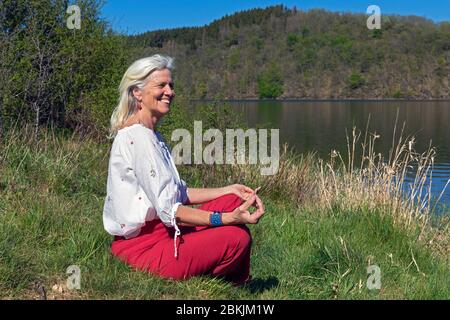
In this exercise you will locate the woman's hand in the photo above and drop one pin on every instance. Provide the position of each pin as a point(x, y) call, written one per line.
point(241, 215)
point(240, 190)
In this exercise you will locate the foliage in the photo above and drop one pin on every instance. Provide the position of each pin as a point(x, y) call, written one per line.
point(50, 75)
point(312, 48)
point(55, 75)
point(355, 81)
point(270, 83)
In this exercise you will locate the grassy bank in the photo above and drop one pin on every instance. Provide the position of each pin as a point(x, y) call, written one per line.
point(52, 189)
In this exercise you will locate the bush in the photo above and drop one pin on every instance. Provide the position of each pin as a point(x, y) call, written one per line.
point(270, 83)
point(355, 81)
point(292, 40)
point(62, 77)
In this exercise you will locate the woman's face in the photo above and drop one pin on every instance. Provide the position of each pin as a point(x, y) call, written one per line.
point(158, 94)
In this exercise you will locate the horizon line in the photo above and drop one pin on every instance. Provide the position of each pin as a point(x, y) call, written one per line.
point(126, 33)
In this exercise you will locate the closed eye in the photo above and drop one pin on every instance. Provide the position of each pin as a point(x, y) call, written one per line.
point(171, 85)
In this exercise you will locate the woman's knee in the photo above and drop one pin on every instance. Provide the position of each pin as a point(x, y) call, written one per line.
point(238, 235)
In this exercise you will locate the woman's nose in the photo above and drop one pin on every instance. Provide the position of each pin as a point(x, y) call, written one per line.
point(169, 91)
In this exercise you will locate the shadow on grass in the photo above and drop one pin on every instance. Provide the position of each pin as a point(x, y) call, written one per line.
point(259, 285)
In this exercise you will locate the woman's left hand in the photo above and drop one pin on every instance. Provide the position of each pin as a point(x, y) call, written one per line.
point(240, 190)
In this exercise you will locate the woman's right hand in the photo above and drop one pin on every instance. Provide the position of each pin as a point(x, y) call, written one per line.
point(241, 215)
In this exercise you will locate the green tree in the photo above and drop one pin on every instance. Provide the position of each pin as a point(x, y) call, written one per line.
point(355, 81)
point(270, 83)
point(61, 77)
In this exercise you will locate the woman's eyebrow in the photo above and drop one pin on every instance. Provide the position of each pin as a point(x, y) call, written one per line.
point(165, 83)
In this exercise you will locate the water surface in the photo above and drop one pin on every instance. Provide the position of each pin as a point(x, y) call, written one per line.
point(321, 126)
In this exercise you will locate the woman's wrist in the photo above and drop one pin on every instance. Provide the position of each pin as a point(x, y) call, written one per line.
point(228, 218)
point(225, 190)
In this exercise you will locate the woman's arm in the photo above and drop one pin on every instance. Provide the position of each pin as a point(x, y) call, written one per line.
point(201, 195)
point(187, 216)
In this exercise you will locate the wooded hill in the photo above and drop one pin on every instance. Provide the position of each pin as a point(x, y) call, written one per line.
point(288, 53)
point(50, 74)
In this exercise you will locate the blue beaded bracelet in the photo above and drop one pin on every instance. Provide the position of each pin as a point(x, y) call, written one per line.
point(215, 219)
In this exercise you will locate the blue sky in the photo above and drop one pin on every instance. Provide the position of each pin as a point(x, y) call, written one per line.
point(137, 16)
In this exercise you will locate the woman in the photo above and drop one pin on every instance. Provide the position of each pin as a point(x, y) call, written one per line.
point(146, 203)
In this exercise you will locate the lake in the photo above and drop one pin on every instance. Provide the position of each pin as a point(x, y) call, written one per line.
point(321, 126)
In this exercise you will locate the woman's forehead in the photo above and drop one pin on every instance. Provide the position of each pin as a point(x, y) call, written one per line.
point(161, 75)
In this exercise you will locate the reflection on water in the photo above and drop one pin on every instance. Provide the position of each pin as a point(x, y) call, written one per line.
point(321, 126)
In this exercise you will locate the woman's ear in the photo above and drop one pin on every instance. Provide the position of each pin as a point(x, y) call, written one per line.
point(137, 93)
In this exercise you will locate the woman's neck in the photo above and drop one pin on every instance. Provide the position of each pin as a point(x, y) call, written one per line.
point(143, 118)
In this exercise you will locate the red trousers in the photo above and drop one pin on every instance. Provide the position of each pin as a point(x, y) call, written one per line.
point(218, 251)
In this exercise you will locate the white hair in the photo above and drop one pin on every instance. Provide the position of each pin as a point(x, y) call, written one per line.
point(136, 76)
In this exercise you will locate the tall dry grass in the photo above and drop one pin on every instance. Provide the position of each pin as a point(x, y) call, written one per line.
point(360, 179)
point(370, 180)
point(293, 182)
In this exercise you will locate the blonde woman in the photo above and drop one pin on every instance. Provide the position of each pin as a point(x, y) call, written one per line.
point(147, 203)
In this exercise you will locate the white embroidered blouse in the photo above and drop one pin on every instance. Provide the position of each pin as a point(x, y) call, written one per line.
point(143, 183)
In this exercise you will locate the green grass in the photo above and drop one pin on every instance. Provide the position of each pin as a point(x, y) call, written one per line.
point(51, 199)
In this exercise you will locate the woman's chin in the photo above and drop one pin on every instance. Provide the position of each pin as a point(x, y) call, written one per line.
point(164, 109)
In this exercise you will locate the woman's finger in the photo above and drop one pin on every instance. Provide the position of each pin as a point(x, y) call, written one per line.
point(259, 204)
point(247, 189)
point(244, 196)
point(255, 216)
point(248, 203)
